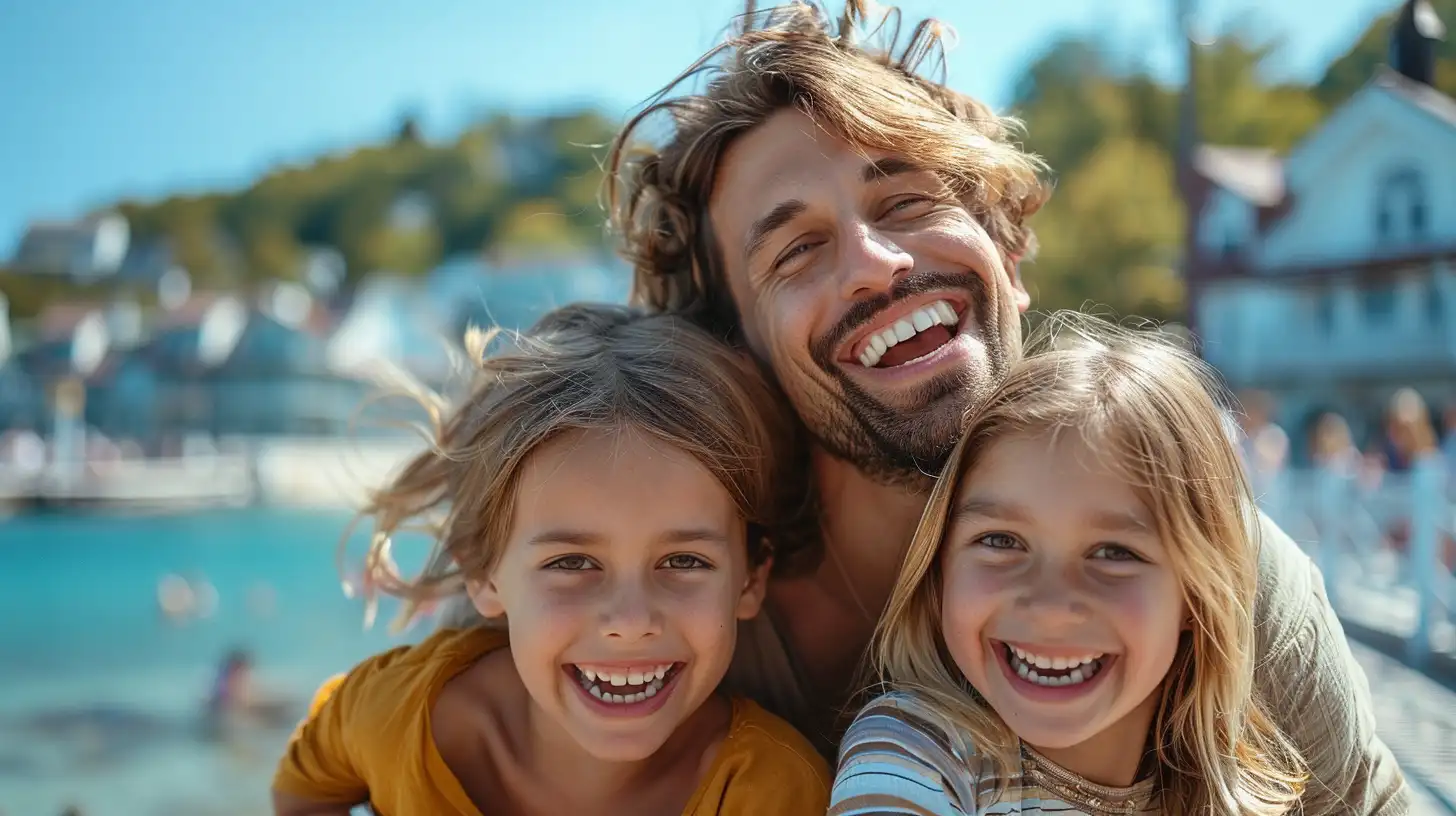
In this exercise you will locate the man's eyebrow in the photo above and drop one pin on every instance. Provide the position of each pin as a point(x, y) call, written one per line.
point(881, 169)
point(781, 214)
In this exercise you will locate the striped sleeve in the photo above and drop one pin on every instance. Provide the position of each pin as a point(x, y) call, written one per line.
point(891, 762)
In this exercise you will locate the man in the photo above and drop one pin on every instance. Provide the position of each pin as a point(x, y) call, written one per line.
point(859, 229)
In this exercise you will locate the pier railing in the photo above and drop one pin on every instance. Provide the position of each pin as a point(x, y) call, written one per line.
point(1387, 547)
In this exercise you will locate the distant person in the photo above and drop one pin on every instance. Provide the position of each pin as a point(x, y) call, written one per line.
point(1265, 449)
point(1411, 440)
point(1332, 448)
point(1448, 441)
point(1409, 433)
point(617, 490)
point(232, 688)
point(1073, 629)
point(235, 700)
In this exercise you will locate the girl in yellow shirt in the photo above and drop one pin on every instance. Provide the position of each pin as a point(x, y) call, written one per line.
point(607, 494)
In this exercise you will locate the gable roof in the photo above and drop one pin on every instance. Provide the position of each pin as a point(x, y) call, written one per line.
point(1419, 94)
point(1385, 97)
point(1252, 173)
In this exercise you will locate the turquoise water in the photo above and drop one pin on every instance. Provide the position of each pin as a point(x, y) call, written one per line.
point(100, 693)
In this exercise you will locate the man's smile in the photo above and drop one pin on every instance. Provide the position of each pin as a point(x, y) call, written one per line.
point(906, 331)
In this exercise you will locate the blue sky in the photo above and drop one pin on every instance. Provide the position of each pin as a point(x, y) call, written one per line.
point(103, 98)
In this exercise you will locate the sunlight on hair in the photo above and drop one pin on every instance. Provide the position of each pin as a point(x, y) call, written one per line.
point(860, 77)
point(581, 367)
point(1156, 413)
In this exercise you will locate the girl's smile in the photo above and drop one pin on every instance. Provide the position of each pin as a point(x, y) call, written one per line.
point(1061, 607)
point(623, 578)
point(1040, 676)
point(625, 690)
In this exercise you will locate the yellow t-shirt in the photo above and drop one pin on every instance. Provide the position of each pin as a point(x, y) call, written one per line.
point(368, 737)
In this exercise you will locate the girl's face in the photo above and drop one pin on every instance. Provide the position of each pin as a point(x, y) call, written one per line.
point(1060, 605)
point(622, 581)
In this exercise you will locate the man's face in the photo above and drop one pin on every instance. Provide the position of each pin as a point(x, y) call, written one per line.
point(880, 302)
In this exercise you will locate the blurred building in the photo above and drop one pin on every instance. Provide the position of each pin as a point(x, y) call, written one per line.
point(282, 361)
point(1327, 277)
point(91, 248)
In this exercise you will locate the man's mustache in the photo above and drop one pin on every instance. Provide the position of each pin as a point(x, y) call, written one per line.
point(863, 312)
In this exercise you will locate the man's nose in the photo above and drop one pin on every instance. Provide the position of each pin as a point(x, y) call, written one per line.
point(870, 262)
point(629, 612)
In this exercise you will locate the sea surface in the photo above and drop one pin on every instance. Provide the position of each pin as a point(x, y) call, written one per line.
point(101, 694)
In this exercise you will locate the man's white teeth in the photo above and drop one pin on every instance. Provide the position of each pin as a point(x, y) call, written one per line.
point(938, 313)
point(1069, 670)
point(595, 680)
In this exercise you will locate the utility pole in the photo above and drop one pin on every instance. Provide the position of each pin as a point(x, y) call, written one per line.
point(1188, 100)
point(1183, 155)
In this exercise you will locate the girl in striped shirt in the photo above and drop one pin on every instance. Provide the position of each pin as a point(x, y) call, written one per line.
point(1072, 631)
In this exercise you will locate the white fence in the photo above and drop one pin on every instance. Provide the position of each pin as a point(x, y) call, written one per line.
point(1387, 549)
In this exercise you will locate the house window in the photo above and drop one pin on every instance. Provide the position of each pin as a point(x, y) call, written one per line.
point(1380, 304)
point(1401, 206)
point(1324, 311)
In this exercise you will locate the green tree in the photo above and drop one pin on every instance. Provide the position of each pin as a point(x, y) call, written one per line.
point(1111, 235)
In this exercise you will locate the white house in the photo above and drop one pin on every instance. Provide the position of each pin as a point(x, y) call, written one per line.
point(1327, 277)
point(93, 247)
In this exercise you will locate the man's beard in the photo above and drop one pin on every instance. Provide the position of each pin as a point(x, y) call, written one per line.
point(906, 446)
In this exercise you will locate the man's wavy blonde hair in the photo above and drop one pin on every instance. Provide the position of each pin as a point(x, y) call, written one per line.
point(1148, 409)
point(583, 367)
point(858, 79)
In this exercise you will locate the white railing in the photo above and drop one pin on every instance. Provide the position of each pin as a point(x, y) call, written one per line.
point(1387, 549)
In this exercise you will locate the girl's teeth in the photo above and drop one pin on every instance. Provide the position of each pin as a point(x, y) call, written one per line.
point(1026, 666)
point(654, 679)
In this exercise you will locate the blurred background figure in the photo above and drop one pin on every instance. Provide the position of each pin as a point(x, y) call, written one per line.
point(1332, 448)
point(236, 701)
point(1265, 447)
point(1410, 435)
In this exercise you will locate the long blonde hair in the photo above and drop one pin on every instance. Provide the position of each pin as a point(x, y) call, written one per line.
point(586, 367)
point(1148, 407)
point(857, 78)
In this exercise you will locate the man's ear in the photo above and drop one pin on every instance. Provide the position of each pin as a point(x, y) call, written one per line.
point(750, 600)
point(485, 597)
point(1019, 295)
